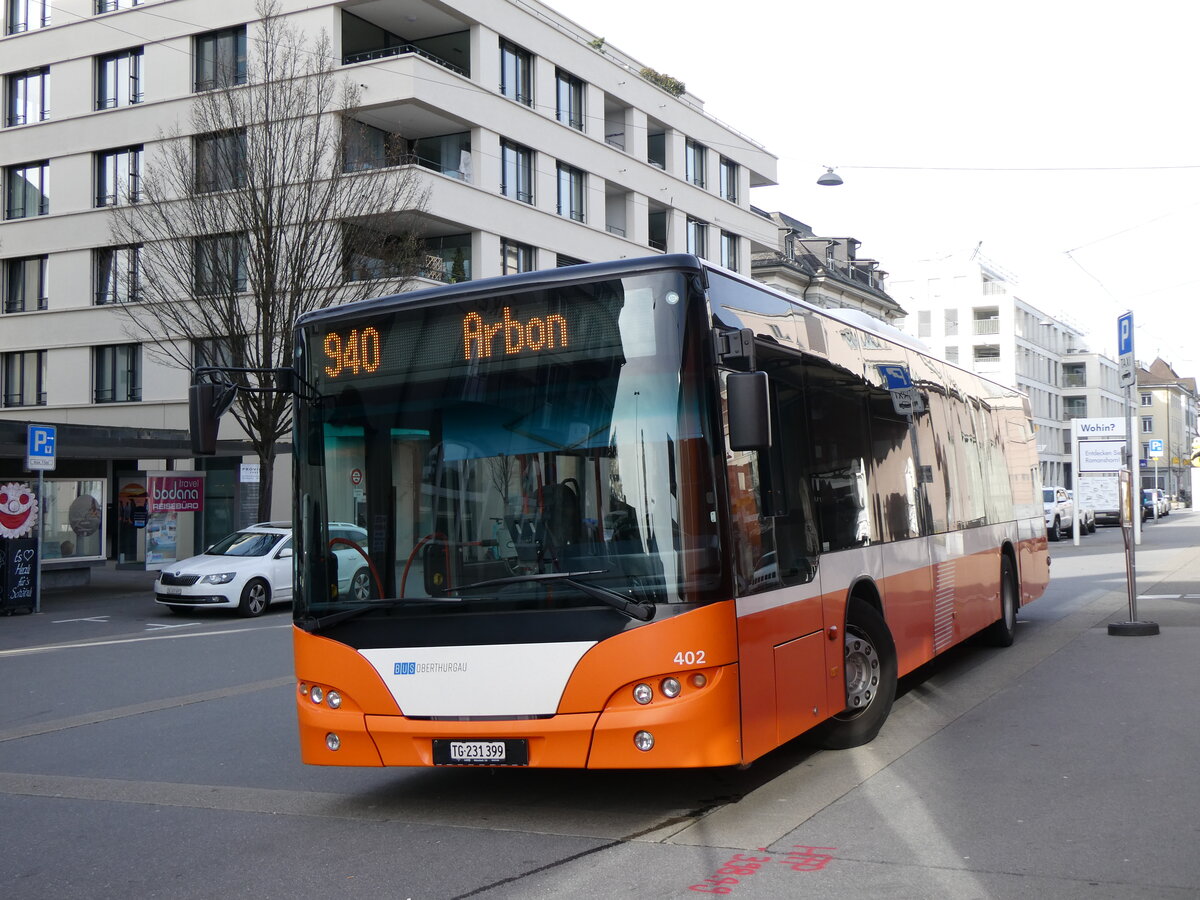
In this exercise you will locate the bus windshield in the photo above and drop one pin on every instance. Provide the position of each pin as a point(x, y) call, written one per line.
point(536, 451)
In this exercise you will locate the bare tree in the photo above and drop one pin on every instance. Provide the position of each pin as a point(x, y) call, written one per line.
point(269, 204)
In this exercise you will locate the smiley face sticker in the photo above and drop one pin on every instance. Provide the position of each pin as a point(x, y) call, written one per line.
point(18, 510)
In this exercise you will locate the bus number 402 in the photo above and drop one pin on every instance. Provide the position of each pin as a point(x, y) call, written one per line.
point(689, 658)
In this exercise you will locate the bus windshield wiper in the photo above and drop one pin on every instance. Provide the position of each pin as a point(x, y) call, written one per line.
point(314, 624)
point(635, 609)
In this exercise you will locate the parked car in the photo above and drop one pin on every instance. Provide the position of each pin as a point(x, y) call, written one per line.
point(1086, 516)
point(1157, 503)
point(1060, 512)
point(252, 568)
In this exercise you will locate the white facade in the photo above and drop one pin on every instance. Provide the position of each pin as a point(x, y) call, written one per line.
point(966, 309)
point(656, 173)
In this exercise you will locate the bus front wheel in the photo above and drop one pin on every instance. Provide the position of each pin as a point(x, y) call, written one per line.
point(870, 672)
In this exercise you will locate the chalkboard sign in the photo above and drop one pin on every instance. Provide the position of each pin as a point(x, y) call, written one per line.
point(18, 573)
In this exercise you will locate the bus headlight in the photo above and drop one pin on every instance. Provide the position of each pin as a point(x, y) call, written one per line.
point(333, 699)
point(671, 687)
point(644, 741)
point(332, 741)
point(643, 694)
point(317, 694)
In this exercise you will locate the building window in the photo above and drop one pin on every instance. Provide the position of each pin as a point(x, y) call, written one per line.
point(103, 6)
point(729, 180)
point(570, 192)
point(118, 274)
point(1074, 407)
point(569, 108)
point(27, 190)
point(729, 250)
point(516, 73)
point(516, 171)
point(25, 284)
point(448, 258)
point(952, 354)
point(987, 353)
point(370, 255)
point(656, 223)
point(1147, 399)
point(367, 147)
point(951, 322)
point(117, 373)
point(119, 79)
point(220, 58)
point(25, 378)
point(694, 159)
point(656, 149)
point(448, 154)
point(217, 352)
point(118, 176)
point(515, 257)
point(924, 326)
point(28, 97)
point(1147, 424)
point(220, 160)
point(697, 237)
point(563, 261)
point(220, 265)
point(27, 15)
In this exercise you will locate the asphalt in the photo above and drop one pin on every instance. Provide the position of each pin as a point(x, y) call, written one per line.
point(1081, 771)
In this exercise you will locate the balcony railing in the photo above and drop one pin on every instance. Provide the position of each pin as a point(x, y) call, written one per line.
point(987, 326)
point(401, 50)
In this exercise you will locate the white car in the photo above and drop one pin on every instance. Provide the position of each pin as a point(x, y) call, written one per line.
point(1060, 512)
point(1086, 516)
point(252, 568)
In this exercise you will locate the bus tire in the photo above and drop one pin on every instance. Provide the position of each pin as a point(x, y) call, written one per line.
point(870, 673)
point(1002, 632)
point(256, 597)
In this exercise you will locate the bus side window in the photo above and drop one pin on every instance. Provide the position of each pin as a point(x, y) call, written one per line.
point(839, 442)
point(796, 537)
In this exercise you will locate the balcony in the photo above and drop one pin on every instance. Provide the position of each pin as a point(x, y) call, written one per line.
point(406, 28)
point(987, 326)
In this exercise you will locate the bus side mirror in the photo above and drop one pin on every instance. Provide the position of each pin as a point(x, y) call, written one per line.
point(749, 411)
point(207, 402)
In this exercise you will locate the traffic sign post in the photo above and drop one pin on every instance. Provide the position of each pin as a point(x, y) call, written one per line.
point(41, 449)
point(1134, 627)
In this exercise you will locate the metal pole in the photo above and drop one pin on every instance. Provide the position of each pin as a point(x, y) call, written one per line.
point(1134, 627)
point(41, 494)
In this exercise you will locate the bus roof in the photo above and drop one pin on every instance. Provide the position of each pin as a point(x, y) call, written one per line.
point(484, 286)
point(640, 265)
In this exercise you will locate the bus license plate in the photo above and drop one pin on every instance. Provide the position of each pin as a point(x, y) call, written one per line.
point(509, 752)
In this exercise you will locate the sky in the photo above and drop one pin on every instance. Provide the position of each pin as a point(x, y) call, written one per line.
point(1059, 137)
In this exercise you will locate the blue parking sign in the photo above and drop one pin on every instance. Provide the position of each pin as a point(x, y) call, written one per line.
point(897, 377)
point(40, 447)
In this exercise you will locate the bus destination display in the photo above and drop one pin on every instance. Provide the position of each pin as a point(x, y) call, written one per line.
point(466, 336)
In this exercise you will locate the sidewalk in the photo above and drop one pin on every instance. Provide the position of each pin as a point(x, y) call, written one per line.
point(108, 585)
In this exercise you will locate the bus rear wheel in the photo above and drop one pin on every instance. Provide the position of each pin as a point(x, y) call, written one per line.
point(1002, 632)
point(870, 672)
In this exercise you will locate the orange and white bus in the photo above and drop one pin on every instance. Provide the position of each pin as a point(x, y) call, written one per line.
point(638, 514)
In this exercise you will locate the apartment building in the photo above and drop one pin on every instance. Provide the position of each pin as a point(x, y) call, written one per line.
point(967, 309)
point(1166, 414)
point(539, 143)
point(824, 271)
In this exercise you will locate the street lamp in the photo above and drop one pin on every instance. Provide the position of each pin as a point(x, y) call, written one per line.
point(830, 177)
